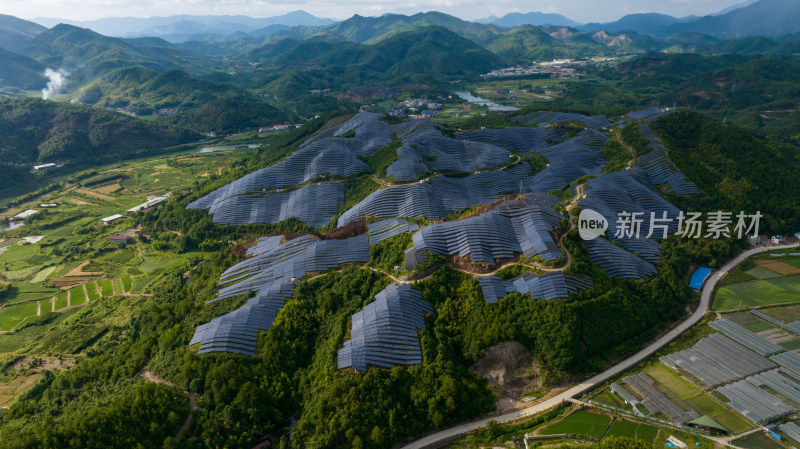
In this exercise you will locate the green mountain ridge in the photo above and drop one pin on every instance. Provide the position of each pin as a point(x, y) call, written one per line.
point(35, 131)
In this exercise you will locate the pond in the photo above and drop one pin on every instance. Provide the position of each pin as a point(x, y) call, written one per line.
point(484, 102)
point(226, 148)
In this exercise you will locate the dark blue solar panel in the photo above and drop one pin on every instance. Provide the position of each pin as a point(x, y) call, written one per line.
point(386, 332)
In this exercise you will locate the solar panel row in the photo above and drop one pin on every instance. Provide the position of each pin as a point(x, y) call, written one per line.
point(385, 332)
point(516, 139)
point(255, 197)
point(386, 229)
point(497, 234)
point(547, 286)
point(544, 117)
point(441, 195)
point(271, 272)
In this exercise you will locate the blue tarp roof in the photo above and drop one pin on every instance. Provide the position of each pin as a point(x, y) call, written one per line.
point(699, 277)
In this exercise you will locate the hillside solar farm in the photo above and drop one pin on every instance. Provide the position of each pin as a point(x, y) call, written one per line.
point(422, 184)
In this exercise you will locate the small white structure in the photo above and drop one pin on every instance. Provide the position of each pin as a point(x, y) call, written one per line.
point(110, 219)
point(48, 205)
point(754, 240)
point(39, 167)
point(150, 203)
point(776, 239)
point(676, 442)
point(26, 214)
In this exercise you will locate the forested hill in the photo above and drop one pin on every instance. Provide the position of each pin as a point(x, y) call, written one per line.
point(737, 170)
point(34, 131)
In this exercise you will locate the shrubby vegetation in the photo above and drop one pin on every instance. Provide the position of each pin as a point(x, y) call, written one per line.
point(736, 170)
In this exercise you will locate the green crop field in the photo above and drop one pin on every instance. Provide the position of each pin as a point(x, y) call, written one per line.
point(675, 384)
point(106, 289)
point(758, 293)
point(580, 423)
point(42, 275)
point(13, 316)
point(118, 287)
point(127, 283)
point(92, 292)
point(750, 322)
point(786, 314)
point(61, 301)
point(150, 263)
point(705, 405)
point(77, 296)
point(625, 428)
point(762, 273)
point(758, 441)
point(732, 422)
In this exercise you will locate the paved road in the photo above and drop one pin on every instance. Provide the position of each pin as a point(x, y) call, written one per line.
point(705, 300)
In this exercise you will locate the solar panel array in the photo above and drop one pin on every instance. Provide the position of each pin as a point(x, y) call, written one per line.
point(543, 117)
point(254, 197)
point(497, 234)
point(547, 286)
point(716, 360)
point(430, 151)
point(237, 331)
point(441, 195)
point(657, 402)
point(570, 160)
point(614, 193)
point(293, 259)
point(659, 171)
point(791, 327)
point(385, 332)
point(745, 337)
point(386, 229)
point(616, 261)
point(315, 204)
point(516, 139)
point(271, 272)
point(754, 403)
point(265, 244)
point(627, 192)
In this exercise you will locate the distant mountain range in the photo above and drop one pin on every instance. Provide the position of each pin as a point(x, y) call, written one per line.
point(181, 28)
point(515, 19)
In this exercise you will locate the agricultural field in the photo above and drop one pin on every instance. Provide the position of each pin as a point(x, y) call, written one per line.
point(518, 92)
point(580, 423)
point(758, 441)
point(70, 288)
point(630, 429)
point(763, 280)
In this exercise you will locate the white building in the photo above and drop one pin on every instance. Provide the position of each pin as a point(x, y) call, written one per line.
point(110, 219)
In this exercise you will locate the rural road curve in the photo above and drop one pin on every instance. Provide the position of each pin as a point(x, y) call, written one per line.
point(447, 435)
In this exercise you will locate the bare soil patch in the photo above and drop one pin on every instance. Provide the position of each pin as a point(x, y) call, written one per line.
point(784, 269)
point(510, 369)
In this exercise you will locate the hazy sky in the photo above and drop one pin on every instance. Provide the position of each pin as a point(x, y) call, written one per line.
point(578, 10)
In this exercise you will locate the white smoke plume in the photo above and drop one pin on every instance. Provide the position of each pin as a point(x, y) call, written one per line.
point(55, 81)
